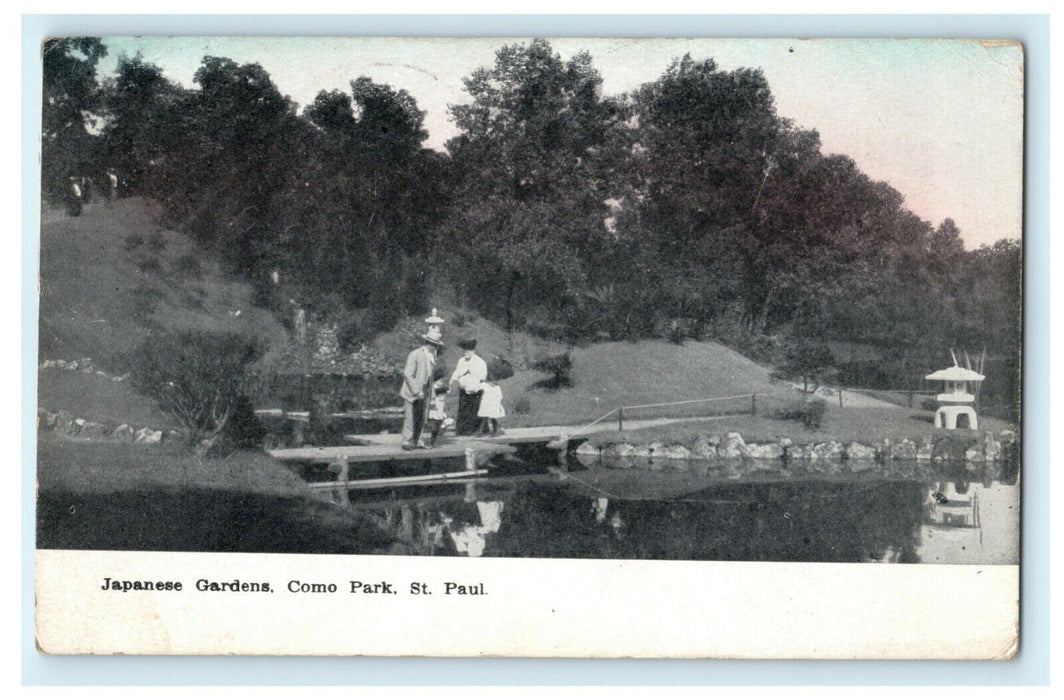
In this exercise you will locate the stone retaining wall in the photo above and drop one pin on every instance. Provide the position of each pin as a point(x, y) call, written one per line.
point(66, 424)
point(83, 365)
point(930, 448)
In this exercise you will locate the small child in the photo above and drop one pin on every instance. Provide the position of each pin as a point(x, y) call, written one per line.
point(491, 409)
point(437, 418)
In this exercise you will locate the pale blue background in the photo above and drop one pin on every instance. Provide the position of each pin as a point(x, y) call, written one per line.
point(1032, 665)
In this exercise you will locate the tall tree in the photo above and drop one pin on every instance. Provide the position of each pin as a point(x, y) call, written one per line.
point(531, 200)
point(354, 218)
point(140, 104)
point(70, 95)
point(706, 142)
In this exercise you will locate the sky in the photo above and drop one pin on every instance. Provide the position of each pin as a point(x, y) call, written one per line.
point(940, 120)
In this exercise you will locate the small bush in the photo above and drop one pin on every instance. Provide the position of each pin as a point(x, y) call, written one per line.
point(813, 413)
point(351, 335)
point(133, 241)
point(929, 405)
point(458, 319)
point(559, 367)
point(680, 329)
point(264, 296)
point(522, 406)
point(189, 265)
point(499, 369)
point(149, 266)
point(144, 301)
point(809, 413)
point(156, 242)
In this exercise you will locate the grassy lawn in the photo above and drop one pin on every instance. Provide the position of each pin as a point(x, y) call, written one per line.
point(845, 424)
point(146, 497)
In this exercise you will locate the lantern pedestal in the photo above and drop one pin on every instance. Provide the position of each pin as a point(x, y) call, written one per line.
point(946, 417)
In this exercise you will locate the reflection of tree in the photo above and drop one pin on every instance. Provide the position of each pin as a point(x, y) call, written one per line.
point(548, 521)
point(800, 521)
point(808, 521)
point(1010, 471)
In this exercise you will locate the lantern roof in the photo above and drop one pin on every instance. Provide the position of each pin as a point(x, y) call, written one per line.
point(955, 374)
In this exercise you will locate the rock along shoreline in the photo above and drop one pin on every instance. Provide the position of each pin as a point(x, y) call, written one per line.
point(985, 447)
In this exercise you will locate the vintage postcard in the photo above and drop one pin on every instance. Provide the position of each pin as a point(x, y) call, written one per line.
point(530, 347)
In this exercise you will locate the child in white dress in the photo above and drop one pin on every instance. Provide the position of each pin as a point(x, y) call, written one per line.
point(491, 409)
point(437, 418)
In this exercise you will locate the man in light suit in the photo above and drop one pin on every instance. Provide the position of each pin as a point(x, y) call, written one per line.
point(417, 389)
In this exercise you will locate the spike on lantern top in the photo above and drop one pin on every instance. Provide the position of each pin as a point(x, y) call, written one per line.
point(956, 384)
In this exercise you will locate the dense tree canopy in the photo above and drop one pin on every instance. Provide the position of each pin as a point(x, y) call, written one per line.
point(71, 97)
point(686, 208)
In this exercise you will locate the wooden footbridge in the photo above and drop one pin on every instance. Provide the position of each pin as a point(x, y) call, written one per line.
point(476, 451)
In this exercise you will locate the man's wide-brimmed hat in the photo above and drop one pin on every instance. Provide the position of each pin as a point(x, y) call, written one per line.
point(467, 343)
point(434, 337)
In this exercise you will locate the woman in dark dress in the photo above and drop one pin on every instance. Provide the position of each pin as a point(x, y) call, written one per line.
point(469, 372)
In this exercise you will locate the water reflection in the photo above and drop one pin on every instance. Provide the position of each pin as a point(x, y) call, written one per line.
point(947, 514)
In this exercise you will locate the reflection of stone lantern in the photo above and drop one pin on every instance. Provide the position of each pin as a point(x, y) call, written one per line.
point(435, 324)
point(957, 398)
point(950, 509)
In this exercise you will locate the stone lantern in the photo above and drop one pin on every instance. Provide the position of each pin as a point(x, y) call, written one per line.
point(957, 398)
point(435, 325)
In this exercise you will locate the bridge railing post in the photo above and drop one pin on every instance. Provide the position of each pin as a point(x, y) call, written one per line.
point(620, 419)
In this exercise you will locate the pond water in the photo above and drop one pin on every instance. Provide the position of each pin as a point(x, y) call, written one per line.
point(942, 513)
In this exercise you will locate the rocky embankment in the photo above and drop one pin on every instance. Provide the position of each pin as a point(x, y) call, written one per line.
point(985, 447)
point(83, 365)
point(68, 425)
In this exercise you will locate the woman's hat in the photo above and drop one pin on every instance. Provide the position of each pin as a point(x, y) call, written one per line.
point(467, 343)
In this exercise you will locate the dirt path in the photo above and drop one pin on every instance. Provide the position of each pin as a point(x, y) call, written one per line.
point(851, 398)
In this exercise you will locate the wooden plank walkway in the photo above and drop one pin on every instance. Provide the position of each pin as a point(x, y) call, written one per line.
point(388, 452)
point(511, 436)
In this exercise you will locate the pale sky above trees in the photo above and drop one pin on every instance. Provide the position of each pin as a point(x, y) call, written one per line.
point(941, 121)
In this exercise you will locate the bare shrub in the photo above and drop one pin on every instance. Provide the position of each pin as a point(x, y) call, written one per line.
point(200, 379)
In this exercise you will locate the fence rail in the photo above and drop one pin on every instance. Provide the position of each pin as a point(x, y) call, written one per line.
point(619, 411)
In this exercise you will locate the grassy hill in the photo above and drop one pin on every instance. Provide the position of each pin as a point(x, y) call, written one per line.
point(110, 277)
point(113, 274)
point(608, 375)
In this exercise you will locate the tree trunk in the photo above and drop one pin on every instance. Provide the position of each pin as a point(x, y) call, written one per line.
point(204, 446)
point(762, 319)
point(510, 288)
